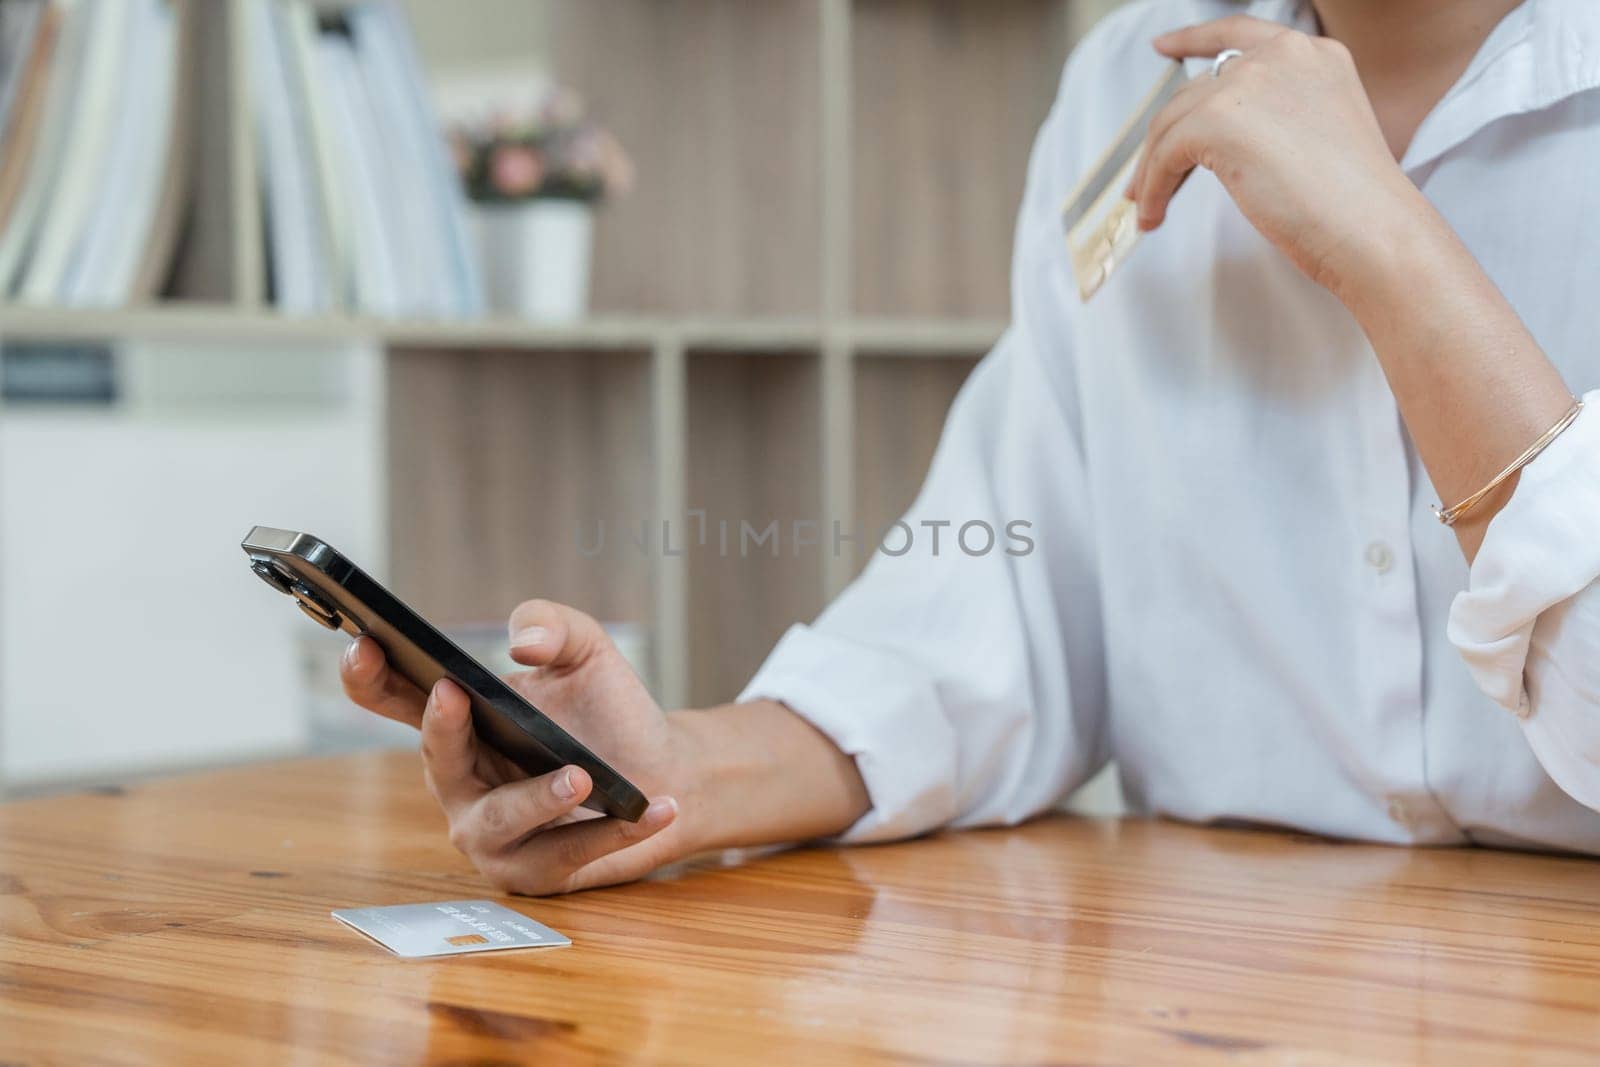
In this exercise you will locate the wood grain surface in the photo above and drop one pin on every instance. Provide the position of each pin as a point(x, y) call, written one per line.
point(502, 466)
point(187, 920)
point(947, 98)
point(752, 448)
point(901, 405)
point(717, 103)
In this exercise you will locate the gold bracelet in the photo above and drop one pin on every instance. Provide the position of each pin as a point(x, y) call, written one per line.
point(1448, 516)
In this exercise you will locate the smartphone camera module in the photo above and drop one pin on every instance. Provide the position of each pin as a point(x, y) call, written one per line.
point(273, 575)
point(314, 606)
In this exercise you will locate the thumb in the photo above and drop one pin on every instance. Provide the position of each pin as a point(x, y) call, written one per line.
point(547, 634)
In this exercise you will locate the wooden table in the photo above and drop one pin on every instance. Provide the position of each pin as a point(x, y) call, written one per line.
point(188, 919)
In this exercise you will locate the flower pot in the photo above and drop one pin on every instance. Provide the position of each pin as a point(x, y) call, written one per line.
point(535, 256)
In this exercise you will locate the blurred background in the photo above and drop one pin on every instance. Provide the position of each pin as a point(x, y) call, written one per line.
point(502, 298)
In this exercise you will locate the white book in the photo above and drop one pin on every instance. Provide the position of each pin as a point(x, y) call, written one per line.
point(85, 156)
point(414, 228)
point(102, 266)
point(445, 190)
point(359, 180)
point(137, 227)
point(55, 129)
point(306, 69)
point(293, 223)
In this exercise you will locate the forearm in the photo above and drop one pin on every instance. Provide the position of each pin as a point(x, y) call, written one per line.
point(758, 774)
point(1473, 386)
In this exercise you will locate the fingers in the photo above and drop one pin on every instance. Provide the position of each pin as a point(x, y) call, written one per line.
point(581, 855)
point(369, 682)
point(1186, 133)
point(1169, 155)
point(1209, 38)
point(485, 821)
point(547, 634)
point(501, 818)
point(1166, 163)
point(1184, 101)
point(1169, 162)
point(450, 750)
point(509, 836)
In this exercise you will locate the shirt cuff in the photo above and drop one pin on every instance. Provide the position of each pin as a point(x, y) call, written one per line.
point(878, 708)
point(1541, 549)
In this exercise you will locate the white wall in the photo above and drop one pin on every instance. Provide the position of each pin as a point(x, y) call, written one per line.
point(133, 638)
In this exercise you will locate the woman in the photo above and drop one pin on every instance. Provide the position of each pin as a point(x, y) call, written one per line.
point(1378, 277)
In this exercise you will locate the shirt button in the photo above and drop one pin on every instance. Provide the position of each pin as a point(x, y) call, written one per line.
point(1380, 557)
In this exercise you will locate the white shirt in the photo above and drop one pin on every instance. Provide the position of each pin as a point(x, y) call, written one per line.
point(1237, 588)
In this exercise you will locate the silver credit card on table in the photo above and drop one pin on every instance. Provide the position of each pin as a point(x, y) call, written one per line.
point(1102, 225)
point(449, 927)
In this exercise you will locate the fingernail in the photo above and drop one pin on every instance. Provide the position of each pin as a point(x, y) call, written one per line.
point(565, 785)
point(660, 809)
point(349, 656)
point(529, 638)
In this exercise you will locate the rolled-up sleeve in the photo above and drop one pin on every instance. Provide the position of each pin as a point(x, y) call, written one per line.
point(964, 669)
point(1528, 624)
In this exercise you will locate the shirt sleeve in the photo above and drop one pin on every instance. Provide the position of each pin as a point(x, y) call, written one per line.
point(964, 669)
point(1528, 624)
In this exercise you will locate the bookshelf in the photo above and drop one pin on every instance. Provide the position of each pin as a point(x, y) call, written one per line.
point(816, 256)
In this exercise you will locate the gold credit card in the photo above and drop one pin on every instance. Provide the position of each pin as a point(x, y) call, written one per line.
point(1102, 225)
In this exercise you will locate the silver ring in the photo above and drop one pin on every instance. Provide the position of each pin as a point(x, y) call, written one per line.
point(1222, 59)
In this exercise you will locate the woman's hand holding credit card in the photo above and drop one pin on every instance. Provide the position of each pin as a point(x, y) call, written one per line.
point(1283, 122)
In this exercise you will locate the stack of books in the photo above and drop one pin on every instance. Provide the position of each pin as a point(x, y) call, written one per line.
point(93, 157)
point(363, 208)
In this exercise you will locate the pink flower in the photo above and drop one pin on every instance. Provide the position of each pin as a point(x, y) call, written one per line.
point(515, 170)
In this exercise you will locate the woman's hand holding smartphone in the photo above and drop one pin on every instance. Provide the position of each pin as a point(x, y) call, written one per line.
point(529, 835)
point(509, 759)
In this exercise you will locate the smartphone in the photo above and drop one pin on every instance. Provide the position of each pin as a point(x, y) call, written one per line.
point(341, 596)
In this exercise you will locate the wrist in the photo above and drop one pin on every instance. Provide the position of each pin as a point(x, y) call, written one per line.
point(696, 780)
point(759, 774)
point(1376, 270)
